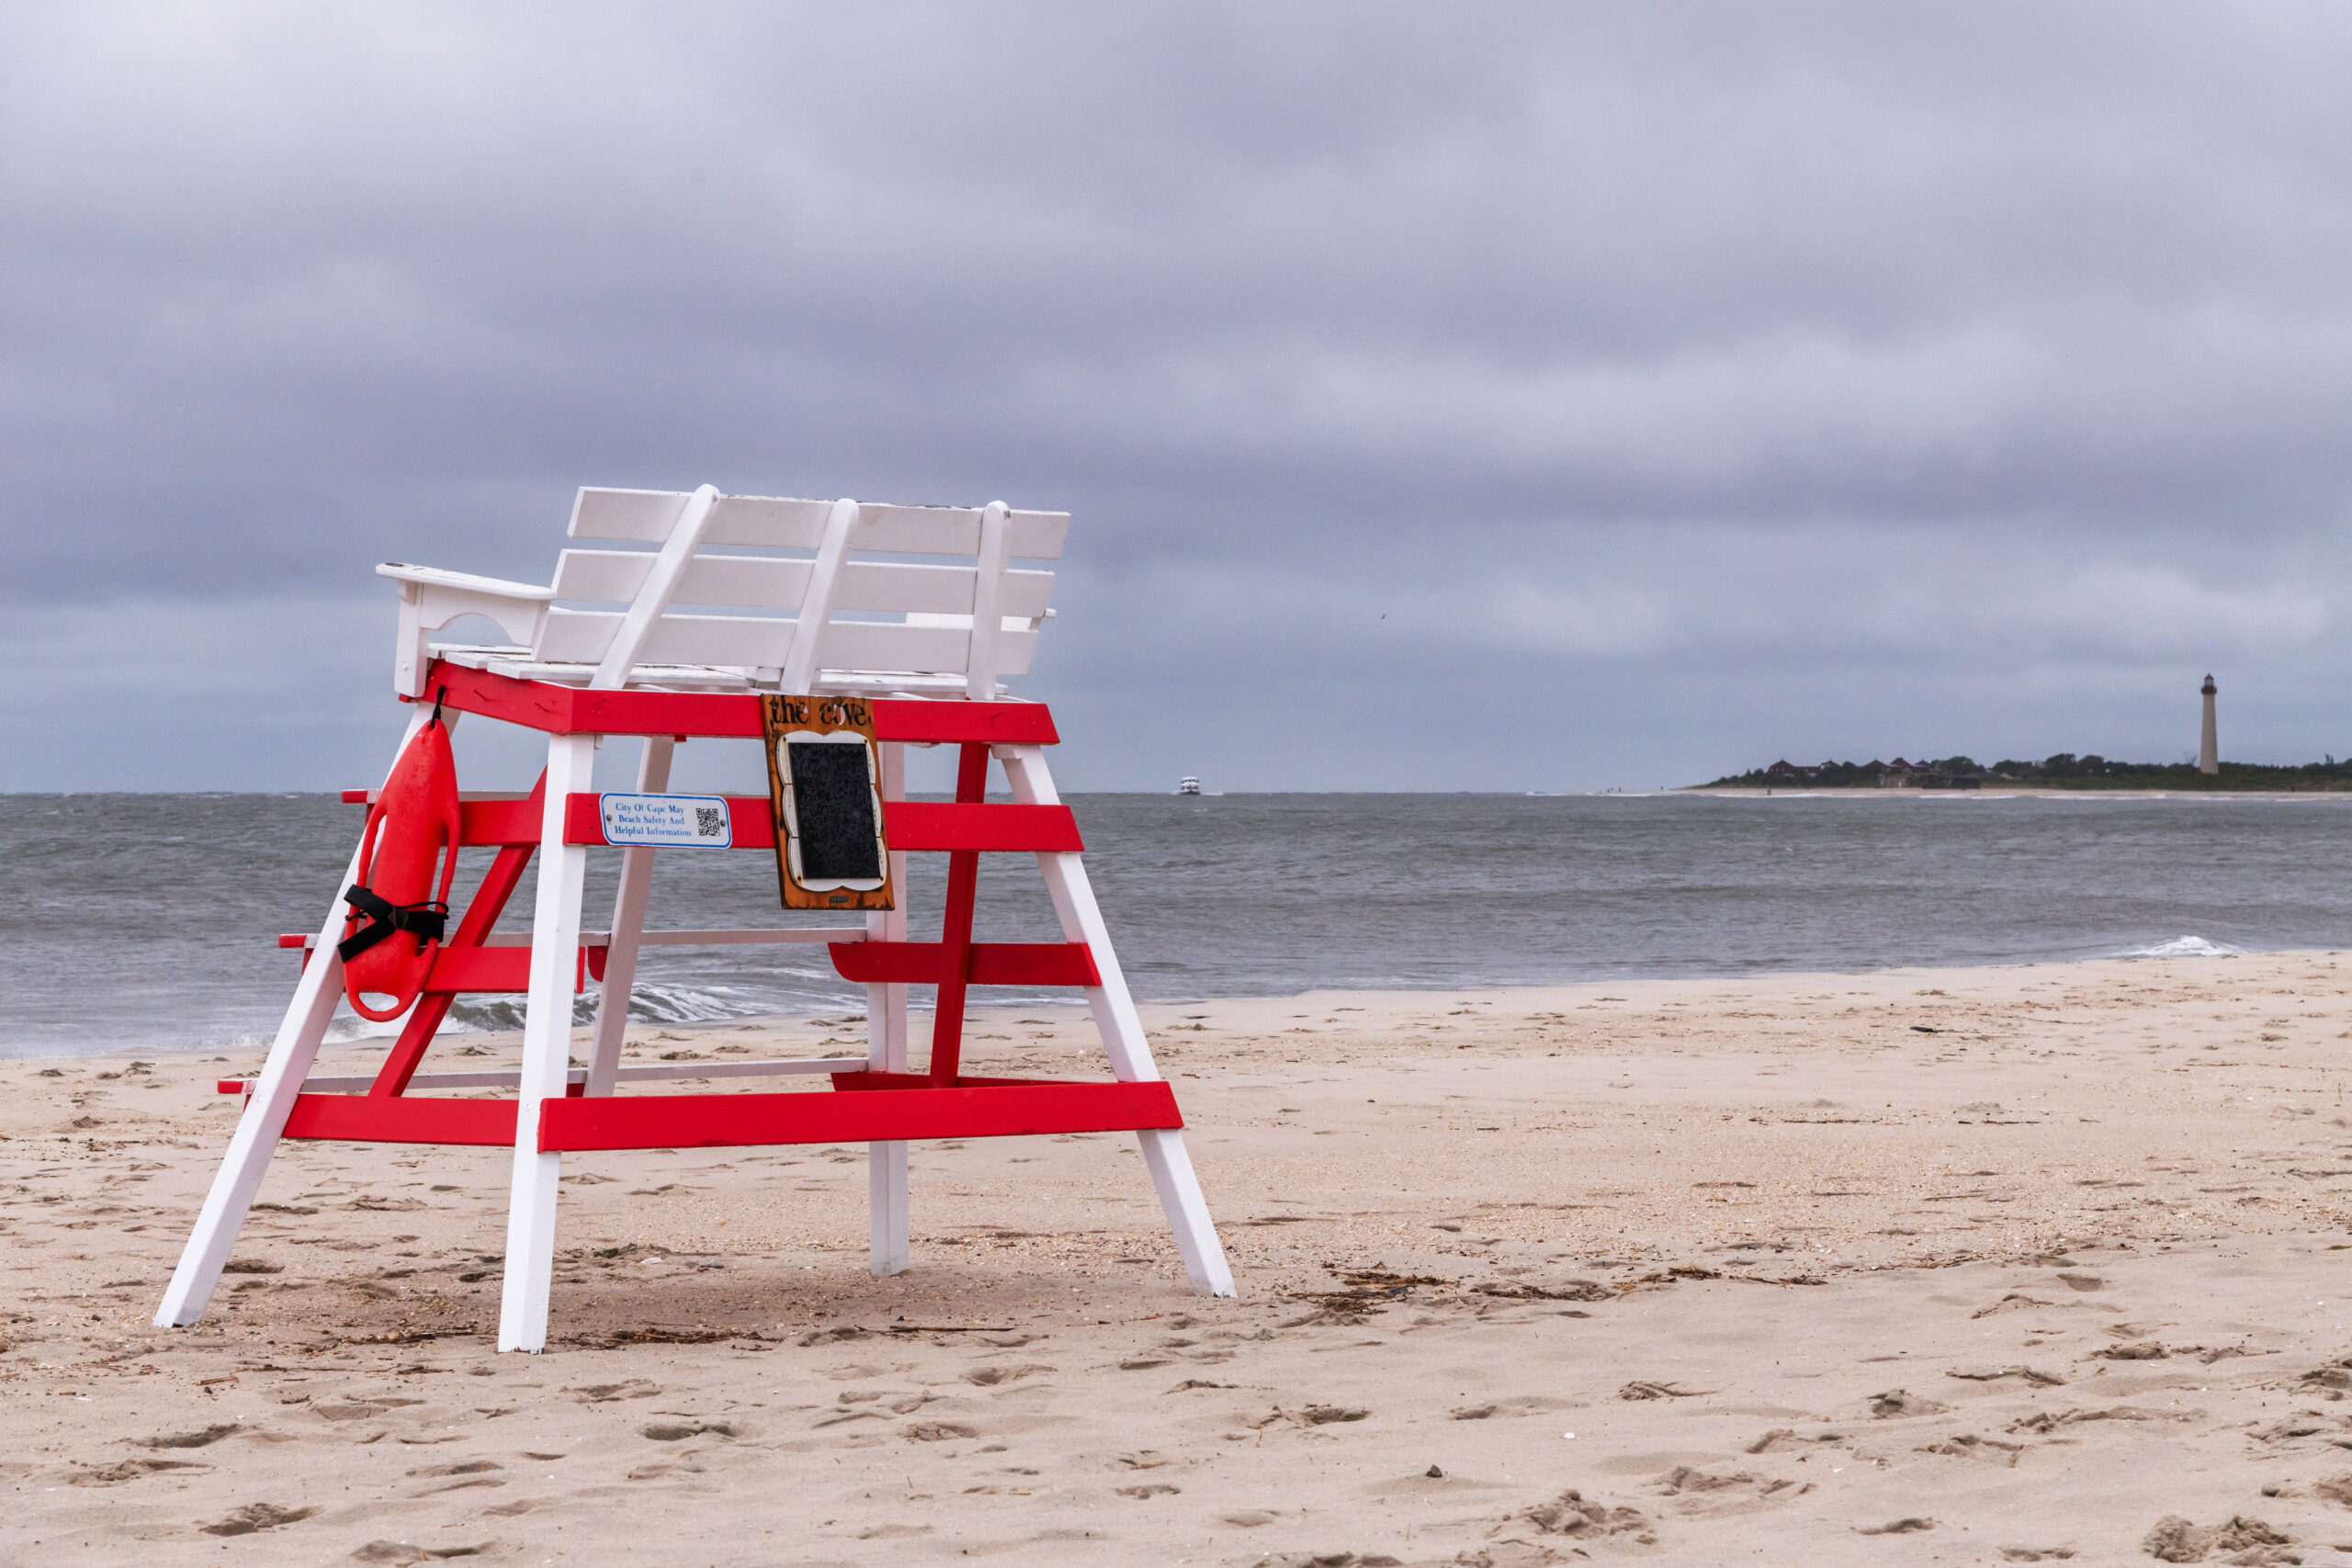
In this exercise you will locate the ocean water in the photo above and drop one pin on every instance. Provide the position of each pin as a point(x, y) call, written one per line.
point(148, 922)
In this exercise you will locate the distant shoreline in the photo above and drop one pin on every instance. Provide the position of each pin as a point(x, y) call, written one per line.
point(2103, 793)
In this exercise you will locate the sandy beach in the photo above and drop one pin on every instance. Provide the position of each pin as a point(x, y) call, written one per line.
point(2035, 1263)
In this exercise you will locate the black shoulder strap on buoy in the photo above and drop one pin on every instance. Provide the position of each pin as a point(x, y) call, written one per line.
point(425, 920)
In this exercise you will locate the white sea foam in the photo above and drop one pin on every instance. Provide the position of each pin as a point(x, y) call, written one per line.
point(681, 1004)
point(347, 1025)
point(648, 1003)
point(2184, 947)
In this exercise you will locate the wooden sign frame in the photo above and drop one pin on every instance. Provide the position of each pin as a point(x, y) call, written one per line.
point(803, 724)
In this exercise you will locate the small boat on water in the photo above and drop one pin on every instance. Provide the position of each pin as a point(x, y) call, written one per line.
point(1188, 784)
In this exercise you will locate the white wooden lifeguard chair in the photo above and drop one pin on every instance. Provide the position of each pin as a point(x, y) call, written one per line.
point(927, 644)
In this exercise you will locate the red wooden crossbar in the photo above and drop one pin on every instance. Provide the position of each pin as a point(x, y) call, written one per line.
point(499, 968)
point(996, 1108)
point(938, 825)
point(574, 710)
point(889, 1106)
point(402, 1119)
point(911, 825)
point(989, 964)
point(482, 822)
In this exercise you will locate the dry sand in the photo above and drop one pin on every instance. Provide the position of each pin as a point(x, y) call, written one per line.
point(1951, 1265)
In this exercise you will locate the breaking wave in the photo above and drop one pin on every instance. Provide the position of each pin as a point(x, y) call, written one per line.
point(648, 1003)
point(2184, 947)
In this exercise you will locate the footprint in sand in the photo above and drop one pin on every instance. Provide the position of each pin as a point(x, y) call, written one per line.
point(1987, 1450)
point(679, 1431)
point(255, 1517)
point(1788, 1439)
point(2138, 1350)
point(600, 1393)
point(1700, 1492)
point(1896, 1403)
point(1524, 1404)
point(2045, 1421)
point(460, 1477)
point(361, 1409)
point(833, 1336)
point(1312, 1416)
point(401, 1551)
point(2337, 1374)
point(842, 1416)
point(1570, 1514)
point(130, 1470)
point(198, 1439)
point(1432, 1481)
point(1994, 1374)
point(938, 1431)
point(2175, 1539)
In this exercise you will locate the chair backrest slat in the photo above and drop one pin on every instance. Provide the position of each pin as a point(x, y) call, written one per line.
point(584, 637)
point(887, 586)
point(615, 576)
point(782, 523)
point(918, 648)
point(644, 514)
point(767, 582)
point(955, 531)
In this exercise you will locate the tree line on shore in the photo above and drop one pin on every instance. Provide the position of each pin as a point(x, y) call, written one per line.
point(2064, 770)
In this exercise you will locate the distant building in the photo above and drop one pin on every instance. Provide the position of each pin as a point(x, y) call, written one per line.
point(1900, 774)
point(2209, 749)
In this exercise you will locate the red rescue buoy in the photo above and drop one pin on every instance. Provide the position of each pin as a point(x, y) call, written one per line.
point(398, 906)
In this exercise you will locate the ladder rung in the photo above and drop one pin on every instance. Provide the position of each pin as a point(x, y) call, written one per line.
point(992, 964)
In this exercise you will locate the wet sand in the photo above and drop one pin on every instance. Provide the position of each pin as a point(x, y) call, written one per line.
point(1934, 1266)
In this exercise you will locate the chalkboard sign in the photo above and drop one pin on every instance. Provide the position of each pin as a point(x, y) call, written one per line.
point(824, 783)
point(832, 811)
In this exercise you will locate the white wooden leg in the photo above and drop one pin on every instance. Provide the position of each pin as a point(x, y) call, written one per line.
point(1081, 918)
point(885, 1190)
point(1123, 1037)
point(1187, 1211)
point(267, 1109)
point(547, 1054)
point(628, 925)
point(886, 1051)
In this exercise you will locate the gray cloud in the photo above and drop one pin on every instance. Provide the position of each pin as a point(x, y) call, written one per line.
point(1684, 385)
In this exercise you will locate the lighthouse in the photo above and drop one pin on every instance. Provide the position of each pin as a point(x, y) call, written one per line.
point(2209, 748)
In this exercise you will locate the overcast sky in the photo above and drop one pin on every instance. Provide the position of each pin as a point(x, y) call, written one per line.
point(1448, 397)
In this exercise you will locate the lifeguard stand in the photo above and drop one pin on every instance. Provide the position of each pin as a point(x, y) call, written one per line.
point(926, 643)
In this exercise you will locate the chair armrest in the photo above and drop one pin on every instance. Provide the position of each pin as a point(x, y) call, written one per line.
point(434, 577)
point(431, 598)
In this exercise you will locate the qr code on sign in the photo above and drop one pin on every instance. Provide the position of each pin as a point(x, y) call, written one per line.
point(710, 821)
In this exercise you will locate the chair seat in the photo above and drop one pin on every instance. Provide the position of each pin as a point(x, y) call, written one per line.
point(516, 661)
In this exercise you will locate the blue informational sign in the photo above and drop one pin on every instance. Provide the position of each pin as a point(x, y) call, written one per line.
point(666, 821)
